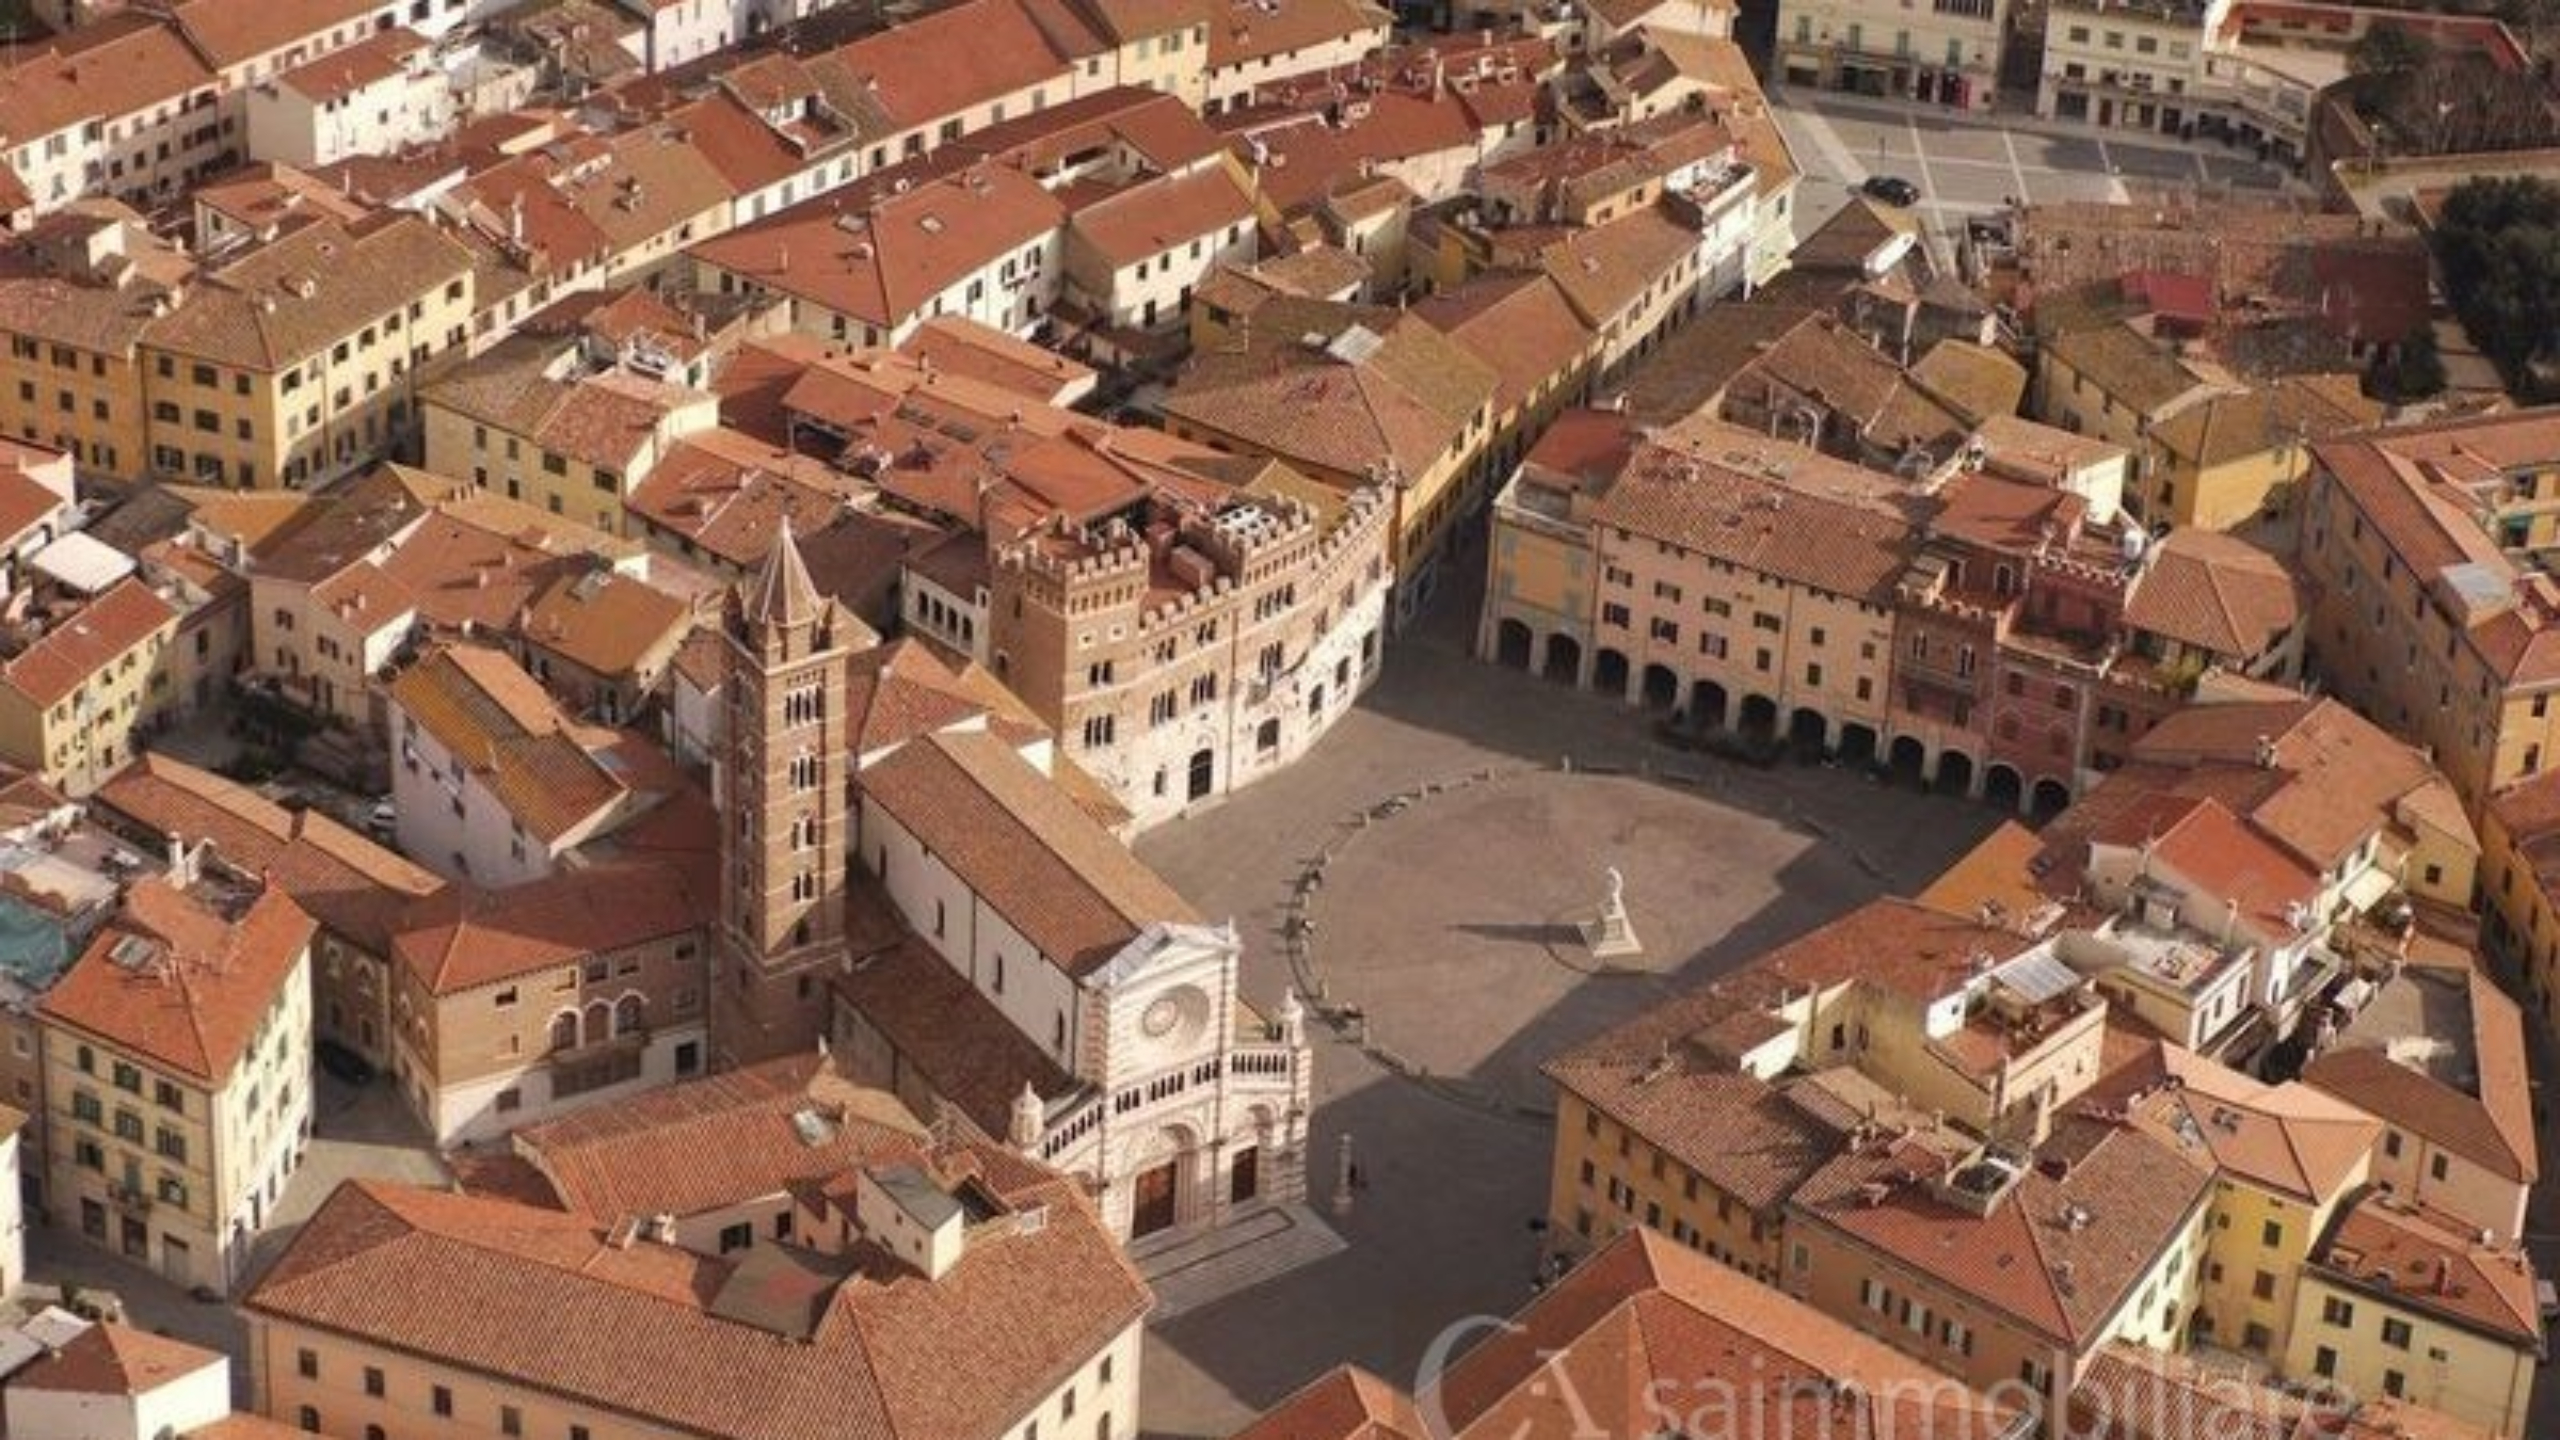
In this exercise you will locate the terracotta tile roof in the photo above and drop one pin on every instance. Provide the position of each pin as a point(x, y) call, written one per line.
point(192, 987)
point(881, 250)
point(76, 649)
point(377, 57)
point(491, 716)
point(1343, 1404)
point(2425, 1262)
point(544, 1299)
point(1690, 370)
point(2290, 1139)
point(1769, 506)
point(1383, 384)
point(2489, 1123)
point(951, 61)
point(480, 558)
point(2058, 1279)
point(946, 1030)
point(2219, 593)
point(48, 294)
point(1023, 847)
point(264, 194)
point(2222, 428)
point(1520, 324)
point(347, 883)
point(1738, 1132)
point(296, 296)
point(2331, 777)
point(1975, 381)
point(724, 1140)
point(1608, 270)
point(110, 68)
point(1636, 1332)
point(466, 937)
point(2133, 1392)
point(2127, 366)
point(604, 621)
point(230, 33)
point(901, 690)
point(957, 345)
point(727, 494)
point(1241, 33)
point(1151, 216)
point(2206, 842)
point(1304, 157)
point(108, 1359)
point(1157, 129)
point(2021, 449)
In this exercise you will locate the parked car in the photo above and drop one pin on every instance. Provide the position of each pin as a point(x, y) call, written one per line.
point(382, 821)
point(343, 1063)
point(1891, 189)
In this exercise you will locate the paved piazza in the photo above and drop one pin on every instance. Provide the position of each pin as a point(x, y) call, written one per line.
point(1971, 165)
point(1447, 924)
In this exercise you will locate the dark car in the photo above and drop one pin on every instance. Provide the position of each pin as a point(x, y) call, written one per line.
point(343, 1063)
point(1891, 189)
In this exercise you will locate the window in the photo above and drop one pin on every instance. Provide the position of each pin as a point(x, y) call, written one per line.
point(306, 1363)
point(2395, 1333)
point(2263, 1286)
point(737, 1237)
point(440, 1400)
point(373, 1384)
point(510, 1420)
point(2437, 1166)
point(127, 1078)
point(2338, 1312)
point(2271, 1235)
point(2324, 1363)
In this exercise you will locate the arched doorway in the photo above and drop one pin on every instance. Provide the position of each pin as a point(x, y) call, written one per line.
point(1857, 744)
point(1266, 737)
point(1708, 704)
point(1564, 659)
point(1955, 773)
point(1511, 644)
point(1609, 673)
point(1204, 773)
point(1759, 715)
point(1661, 687)
point(1809, 730)
point(1156, 1189)
point(2049, 798)
point(1908, 759)
point(2003, 787)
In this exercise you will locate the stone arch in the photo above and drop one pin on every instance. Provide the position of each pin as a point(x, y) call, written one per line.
point(1661, 687)
point(1512, 643)
point(2003, 786)
point(1609, 672)
point(630, 1013)
point(564, 1030)
point(1709, 705)
point(1809, 729)
point(2049, 798)
point(1564, 659)
point(1908, 758)
point(1954, 773)
point(1857, 744)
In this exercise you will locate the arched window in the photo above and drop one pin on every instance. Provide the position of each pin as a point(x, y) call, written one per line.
point(564, 1030)
point(629, 1014)
point(599, 1020)
point(308, 1419)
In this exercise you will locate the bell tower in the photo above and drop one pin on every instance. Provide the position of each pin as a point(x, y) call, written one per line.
point(782, 788)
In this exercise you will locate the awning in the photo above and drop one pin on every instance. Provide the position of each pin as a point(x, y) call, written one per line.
point(2367, 889)
point(86, 565)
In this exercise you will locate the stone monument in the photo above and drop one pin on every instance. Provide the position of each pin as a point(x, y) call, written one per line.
point(1608, 935)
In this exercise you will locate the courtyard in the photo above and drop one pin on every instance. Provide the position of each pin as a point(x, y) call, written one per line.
point(1496, 803)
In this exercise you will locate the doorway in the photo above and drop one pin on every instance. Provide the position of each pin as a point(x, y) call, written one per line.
point(1204, 773)
point(1244, 1177)
point(1152, 1209)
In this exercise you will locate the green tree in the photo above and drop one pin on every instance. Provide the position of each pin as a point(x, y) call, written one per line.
point(2387, 49)
point(2497, 246)
point(2412, 370)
